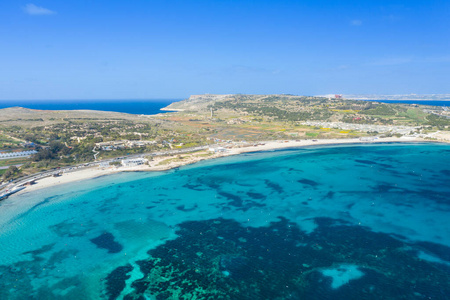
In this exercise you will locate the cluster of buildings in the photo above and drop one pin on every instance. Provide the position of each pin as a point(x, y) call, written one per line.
point(115, 145)
point(7, 155)
point(216, 140)
point(404, 130)
point(445, 112)
point(236, 121)
point(217, 149)
point(132, 162)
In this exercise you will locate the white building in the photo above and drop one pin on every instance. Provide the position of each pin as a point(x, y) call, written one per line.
point(132, 162)
point(217, 149)
point(17, 154)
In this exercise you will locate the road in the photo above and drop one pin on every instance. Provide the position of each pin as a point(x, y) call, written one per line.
point(40, 175)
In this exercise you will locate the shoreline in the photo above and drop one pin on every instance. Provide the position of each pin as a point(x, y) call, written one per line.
point(171, 109)
point(190, 158)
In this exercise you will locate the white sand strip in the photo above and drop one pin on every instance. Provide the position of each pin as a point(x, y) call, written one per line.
point(155, 165)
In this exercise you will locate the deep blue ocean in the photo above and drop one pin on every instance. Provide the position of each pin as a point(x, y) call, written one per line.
point(342, 222)
point(145, 107)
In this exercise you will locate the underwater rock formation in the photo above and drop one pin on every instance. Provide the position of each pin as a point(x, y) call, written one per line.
point(221, 259)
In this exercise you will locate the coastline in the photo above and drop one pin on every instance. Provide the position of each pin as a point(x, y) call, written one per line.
point(157, 164)
point(171, 109)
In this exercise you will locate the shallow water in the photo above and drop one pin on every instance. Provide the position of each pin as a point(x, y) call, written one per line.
point(360, 222)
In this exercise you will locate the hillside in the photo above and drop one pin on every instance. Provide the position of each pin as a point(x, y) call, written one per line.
point(75, 136)
point(304, 108)
point(25, 117)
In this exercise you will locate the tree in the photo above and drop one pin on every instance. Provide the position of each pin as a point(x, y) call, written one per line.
point(43, 153)
point(12, 170)
point(56, 146)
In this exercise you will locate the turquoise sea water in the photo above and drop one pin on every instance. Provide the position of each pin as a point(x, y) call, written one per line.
point(343, 222)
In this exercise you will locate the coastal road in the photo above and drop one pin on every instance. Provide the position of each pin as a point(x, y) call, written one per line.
point(23, 180)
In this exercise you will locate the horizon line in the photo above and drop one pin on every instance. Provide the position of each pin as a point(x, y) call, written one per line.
point(94, 99)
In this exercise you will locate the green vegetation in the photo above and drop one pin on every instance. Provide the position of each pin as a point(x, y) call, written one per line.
point(312, 134)
point(288, 108)
point(13, 161)
point(437, 121)
point(169, 160)
point(7, 142)
point(11, 173)
point(55, 150)
point(381, 110)
point(63, 138)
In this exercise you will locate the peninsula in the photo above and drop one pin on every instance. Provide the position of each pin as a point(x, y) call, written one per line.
point(52, 147)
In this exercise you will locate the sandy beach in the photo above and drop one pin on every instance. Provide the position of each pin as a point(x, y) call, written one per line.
point(170, 162)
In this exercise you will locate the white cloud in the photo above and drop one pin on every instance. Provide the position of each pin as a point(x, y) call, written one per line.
point(35, 10)
point(356, 22)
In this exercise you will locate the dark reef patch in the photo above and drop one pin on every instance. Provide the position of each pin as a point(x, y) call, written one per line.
point(41, 250)
point(385, 188)
point(212, 182)
point(234, 265)
point(195, 187)
point(33, 208)
point(434, 195)
point(59, 256)
point(257, 196)
point(243, 183)
point(221, 259)
point(185, 209)
point(441, 251)
point(445, 172)
point(115, 281)
point(234, 200)
point(70, 229)
point(370, 162)
point(242, 204)
point(274, 186)
point(366, 162)
point(106, 241)
point(45, 201)
point(309, 182)
point(329, 195)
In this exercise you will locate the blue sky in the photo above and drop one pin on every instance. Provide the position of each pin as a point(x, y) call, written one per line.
point(143, 49)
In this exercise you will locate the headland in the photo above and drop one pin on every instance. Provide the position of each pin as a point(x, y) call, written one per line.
point(79, 144)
